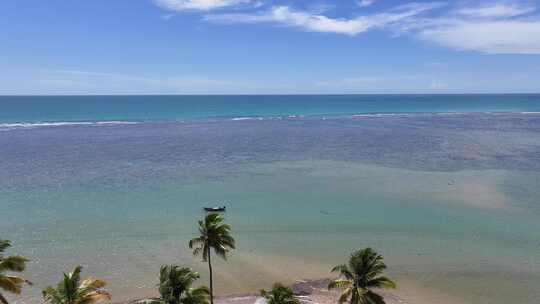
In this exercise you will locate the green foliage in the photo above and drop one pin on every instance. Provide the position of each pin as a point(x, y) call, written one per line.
point(199, 295)
point(360, 276)
point(174, 281)
point(14, 263)
point(71, 290)
point(213, 234)
point(175, 287)
point(279, 294)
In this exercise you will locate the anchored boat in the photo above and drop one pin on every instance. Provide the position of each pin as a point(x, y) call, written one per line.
point(215, 209)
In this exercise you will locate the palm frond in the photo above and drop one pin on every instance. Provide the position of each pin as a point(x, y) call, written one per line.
point(75, 275)
point(221, 251)
point(89, 286)
point(196, 242)
point(381, 282)
point(345, 295)
point(373, 298)
point(200, 295)
point(175, 281)
point(343, 271)
point(51, 295)
point(214, 234)
point(150, 301)
point(95, 297)
point(279, 294)
point(72, 291)
point(13, 263)
point(339, 283)
point(11, 284)
point(363, 272)
point(4, 244)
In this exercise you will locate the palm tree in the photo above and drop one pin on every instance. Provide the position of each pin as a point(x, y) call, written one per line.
point(357, 279)
point(72, 291)
point(174, 281)
point(12, 263)
point(175, 287)
point(214, 233)
point(279, 294)
point(199, 295)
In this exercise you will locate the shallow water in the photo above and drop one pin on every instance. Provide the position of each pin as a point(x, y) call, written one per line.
point(451, 201)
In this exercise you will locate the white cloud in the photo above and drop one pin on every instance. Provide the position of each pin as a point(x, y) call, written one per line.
point(205, 5)
point(319, 23)
point(365, 3)
point(497, 10)
point(492, 37)
point(493, 27)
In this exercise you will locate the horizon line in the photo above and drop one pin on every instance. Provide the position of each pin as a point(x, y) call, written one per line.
point(265, 94)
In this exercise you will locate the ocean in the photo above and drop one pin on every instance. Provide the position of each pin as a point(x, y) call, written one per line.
point(112, 108)
point(446, 187)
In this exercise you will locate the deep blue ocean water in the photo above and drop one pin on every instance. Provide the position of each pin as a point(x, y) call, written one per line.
point(103, 108)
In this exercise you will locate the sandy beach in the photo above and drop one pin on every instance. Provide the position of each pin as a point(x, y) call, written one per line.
point(316, 292)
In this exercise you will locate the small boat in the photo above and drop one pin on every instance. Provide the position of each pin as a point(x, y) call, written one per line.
point(215, 209)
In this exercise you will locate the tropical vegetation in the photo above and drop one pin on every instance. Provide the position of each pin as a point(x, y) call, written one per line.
point(199, 295)
point(279, 294)
point(359, 280)
point(213, 234)
point(72, 290)
point(12, 263)
point(360, 276)
point(175, 286)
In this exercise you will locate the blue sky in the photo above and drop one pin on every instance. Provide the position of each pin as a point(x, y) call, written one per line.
point(268, 46)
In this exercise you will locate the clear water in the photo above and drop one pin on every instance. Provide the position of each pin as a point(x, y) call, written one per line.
point(102, 108)
point(450, 200)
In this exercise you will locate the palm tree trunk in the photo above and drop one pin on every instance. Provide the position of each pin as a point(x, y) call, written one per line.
point(211, 280)
point(354, 295)
point(176, 297)
point(3, 300)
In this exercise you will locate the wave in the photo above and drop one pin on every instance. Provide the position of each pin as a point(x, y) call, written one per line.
point(403, 114)
point(259, 118)
point(273, 117)
point(116, 122)
point(383, 114)
point(31, 125)
point(246, 118)
point(454, 113)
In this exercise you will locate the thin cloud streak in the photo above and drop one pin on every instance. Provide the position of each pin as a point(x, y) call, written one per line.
point(365, 3)
point(497, 10)
point(319, 23)
point(203, 5)
point(89, 82)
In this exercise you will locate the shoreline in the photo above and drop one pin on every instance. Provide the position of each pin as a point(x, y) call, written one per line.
point(314, 291)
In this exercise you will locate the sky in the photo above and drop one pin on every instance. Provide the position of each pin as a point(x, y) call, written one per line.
point(268, 47)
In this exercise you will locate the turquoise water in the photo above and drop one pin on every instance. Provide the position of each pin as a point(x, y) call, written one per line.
point(451, 201)
point(99, 108)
